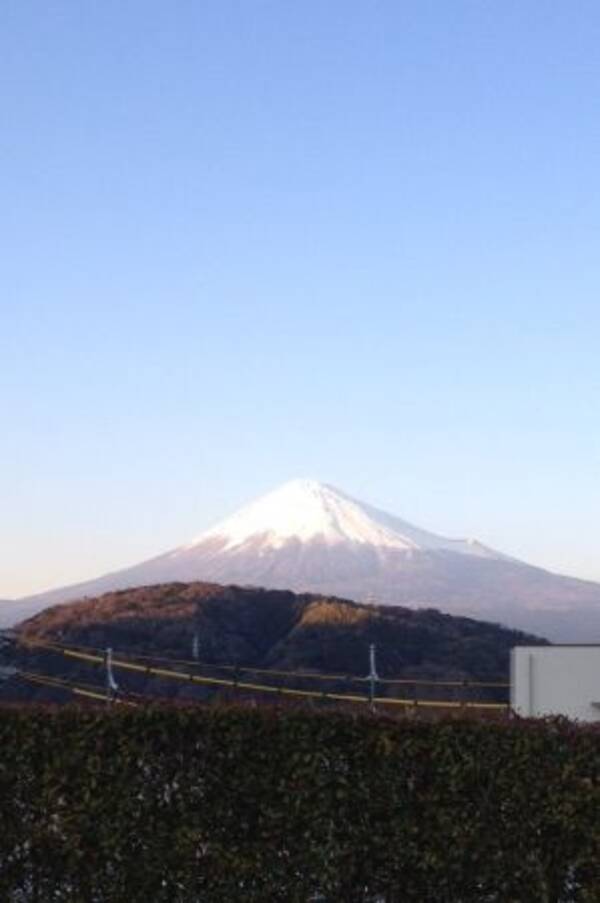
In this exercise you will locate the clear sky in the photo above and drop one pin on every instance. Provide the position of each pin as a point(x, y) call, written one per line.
point(241, 242)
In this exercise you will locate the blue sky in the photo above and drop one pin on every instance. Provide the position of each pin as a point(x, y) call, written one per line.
point(249, 241)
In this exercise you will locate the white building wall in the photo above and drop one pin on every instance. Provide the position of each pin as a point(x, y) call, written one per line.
point(556, 680)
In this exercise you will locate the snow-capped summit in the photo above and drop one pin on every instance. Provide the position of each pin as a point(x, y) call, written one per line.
point(310, 537)
point(305, 510)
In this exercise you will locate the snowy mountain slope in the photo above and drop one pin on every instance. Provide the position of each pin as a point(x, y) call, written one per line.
point(307, 536)
point(305, 510)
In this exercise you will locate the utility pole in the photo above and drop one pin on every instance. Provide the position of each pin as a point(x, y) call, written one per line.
point(112, 687)
point(372, 675)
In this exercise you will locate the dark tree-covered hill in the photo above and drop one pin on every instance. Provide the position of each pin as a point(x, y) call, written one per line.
point(271, 629)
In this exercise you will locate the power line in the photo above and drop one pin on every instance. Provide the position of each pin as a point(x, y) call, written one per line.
point(274, 672)
point(279, 691)
point(80, 689)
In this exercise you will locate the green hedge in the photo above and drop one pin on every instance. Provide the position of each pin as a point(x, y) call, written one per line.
point(225, 804)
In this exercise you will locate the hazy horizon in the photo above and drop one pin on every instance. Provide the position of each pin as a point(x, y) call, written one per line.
point(244, 243)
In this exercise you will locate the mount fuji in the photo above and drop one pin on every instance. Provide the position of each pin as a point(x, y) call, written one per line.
point(310, 537)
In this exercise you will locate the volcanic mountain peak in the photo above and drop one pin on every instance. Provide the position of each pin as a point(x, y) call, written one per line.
point(306, 510)
point(310, 537)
